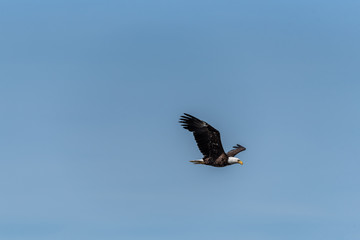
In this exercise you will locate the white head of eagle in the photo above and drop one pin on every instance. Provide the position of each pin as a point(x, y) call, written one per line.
point(209, 143)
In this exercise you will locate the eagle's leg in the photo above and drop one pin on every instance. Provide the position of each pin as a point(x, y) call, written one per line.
point(198, 161)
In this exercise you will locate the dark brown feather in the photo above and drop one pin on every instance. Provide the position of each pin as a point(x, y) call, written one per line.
point(220, 161)
point(238, 148)
point(207, 137)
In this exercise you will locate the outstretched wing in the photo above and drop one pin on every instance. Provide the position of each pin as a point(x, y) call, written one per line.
point(238, 148)
point(207, 137)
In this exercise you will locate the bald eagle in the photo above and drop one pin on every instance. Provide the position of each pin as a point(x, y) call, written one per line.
point(209, 143)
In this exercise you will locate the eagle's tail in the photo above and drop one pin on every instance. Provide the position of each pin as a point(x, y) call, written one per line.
point(198, 161)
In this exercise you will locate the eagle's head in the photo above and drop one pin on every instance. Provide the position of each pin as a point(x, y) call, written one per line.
point(233, 160)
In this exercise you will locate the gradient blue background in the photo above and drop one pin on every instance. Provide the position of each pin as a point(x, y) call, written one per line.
point(91, 93)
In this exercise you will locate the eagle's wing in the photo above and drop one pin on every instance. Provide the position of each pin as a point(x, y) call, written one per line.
point(238, 148)
point(207, 137)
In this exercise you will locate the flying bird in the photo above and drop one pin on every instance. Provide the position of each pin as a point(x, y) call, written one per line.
point(209, 143)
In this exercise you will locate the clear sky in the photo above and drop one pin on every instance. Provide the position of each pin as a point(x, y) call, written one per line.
point(90, 97)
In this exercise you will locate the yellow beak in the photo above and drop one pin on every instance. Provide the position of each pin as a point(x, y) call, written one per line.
point(240, 162)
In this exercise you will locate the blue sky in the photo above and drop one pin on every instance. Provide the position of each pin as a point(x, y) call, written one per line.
point(90, 97)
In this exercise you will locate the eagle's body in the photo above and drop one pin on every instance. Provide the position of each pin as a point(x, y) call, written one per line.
point(209, 143)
